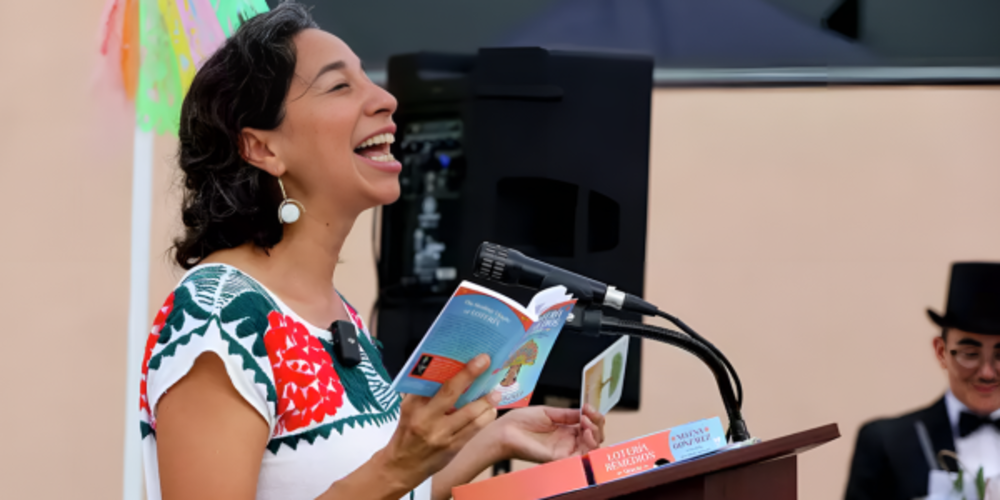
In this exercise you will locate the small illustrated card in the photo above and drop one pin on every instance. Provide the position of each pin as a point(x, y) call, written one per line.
point(604, 376)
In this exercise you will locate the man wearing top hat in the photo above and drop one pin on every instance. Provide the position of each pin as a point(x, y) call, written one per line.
point(893, 457)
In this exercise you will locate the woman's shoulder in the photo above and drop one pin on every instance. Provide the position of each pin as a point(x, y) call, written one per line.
point(213, 297)
point(216, 296)
point(223, 289)
point(215, 308)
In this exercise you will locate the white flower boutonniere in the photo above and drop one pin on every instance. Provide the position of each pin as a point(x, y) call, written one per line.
point(959, 486)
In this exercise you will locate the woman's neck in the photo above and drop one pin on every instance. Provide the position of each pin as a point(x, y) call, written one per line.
point(308, 253)
point(300, 268)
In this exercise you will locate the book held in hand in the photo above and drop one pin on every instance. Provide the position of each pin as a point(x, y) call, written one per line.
point(478, 320)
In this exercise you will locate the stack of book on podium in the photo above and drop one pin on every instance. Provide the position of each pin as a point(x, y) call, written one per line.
point(602, 465)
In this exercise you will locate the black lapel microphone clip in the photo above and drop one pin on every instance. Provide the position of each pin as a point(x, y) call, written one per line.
point(346, 347)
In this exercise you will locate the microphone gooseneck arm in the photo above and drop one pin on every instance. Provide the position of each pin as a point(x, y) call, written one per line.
point(715, 350)
point(585, 321)
point(511, 267)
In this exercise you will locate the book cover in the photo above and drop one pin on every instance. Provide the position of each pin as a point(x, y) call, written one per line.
point(478, 320)
point(665, 447)
point(540, 481)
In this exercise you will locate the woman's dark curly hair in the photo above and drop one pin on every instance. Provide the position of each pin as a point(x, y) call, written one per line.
point(228, 202)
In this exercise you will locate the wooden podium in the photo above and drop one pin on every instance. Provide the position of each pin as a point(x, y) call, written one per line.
point(764, 471)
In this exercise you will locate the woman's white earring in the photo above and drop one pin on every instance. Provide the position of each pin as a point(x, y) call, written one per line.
point(290, 209)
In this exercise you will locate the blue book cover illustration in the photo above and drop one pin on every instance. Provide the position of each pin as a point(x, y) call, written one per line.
point(478, 320)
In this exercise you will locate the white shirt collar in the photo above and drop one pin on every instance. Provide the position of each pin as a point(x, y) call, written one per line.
point(955, 409)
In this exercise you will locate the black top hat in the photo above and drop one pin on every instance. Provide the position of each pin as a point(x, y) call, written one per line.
point(973, 299)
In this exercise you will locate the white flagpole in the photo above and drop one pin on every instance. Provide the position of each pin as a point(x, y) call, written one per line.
point(138, 320)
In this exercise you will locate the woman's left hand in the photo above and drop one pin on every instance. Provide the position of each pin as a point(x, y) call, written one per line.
point(536, 433)
point(543, 434)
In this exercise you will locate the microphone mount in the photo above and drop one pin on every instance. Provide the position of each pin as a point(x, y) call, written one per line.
point(591, 321)
point(507, 266)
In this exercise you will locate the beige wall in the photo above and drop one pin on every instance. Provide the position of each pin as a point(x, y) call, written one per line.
point(65, 186)
point(803, 230)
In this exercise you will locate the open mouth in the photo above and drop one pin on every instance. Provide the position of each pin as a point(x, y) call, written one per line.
point(376, 148)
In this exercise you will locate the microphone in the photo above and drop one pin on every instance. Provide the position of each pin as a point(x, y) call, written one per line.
point(506, 265)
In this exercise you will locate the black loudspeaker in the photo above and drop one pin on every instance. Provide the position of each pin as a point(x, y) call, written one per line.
point(543, 151)
point(845, 18)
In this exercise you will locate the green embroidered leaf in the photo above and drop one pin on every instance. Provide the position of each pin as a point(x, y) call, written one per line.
point(154, 362)
point(324, 430)
point(235, 283)
point(273, 446)
point(378, 378)
point(207, 283)
point(250, 363)
point(375, 356)
point(252, 308)
point(355, 383)
point(184, 305)
point(175, 321)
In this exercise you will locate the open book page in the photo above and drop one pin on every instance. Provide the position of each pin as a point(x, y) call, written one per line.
point(475, 320)
point(515, 373)
point(547, 299)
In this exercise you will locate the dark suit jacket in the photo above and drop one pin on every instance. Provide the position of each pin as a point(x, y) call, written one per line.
point(889, 463)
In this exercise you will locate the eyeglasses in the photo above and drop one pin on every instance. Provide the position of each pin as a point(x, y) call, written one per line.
point(974, 359)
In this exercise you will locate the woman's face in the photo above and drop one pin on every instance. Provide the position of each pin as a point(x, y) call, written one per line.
point(331, 111)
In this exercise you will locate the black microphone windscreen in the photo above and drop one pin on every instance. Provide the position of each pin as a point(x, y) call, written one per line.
point(490, 262)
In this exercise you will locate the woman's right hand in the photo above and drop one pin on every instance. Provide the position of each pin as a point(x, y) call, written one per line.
point(430, 432)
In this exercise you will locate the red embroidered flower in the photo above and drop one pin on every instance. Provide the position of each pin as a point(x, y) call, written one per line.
point(154, 335)
point(308, 387)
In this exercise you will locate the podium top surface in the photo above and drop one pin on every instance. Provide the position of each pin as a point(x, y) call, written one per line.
point(791, 444)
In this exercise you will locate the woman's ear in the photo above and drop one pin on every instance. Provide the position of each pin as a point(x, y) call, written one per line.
point(256, 150)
